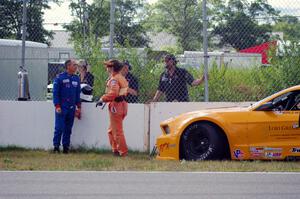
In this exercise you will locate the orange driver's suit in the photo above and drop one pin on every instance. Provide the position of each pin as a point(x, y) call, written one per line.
point(116, 88)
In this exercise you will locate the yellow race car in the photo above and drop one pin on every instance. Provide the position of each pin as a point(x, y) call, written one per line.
point(268, 129)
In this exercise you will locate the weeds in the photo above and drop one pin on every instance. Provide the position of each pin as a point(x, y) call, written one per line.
point(103, 160)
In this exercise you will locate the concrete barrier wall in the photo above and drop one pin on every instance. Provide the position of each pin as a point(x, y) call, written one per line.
point(31, 124)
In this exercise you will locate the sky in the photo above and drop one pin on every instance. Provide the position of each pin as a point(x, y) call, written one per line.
point(61, 14)
point(291, 7)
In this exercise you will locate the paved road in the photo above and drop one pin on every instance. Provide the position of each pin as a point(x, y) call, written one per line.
point(144, 185)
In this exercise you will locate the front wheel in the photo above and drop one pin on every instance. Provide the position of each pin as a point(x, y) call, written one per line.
point(202, 141)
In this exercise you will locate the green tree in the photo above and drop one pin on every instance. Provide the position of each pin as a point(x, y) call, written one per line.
point(290, 26)
point(93, 19)
point(127, 29)
point(11, 20)
point(181, 18)
point(243, 24)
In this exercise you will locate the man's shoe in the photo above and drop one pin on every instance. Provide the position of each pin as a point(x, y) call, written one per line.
point(66, 150)
point(123, 155)
point(56, 149)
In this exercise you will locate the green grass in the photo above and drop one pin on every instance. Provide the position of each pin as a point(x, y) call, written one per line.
point(14, 158)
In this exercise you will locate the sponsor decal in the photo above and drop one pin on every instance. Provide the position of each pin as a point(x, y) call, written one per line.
point(268, 152)
point(256, 152)
point(238, 153)
point(284, 131)
point(257, 155)
point(66, 81)
point(280, 128)
point(273, 154)
point(256, 149)
point(75, 84)
point(272, 149)
point(113, 82)
point(295, 150)
point(164, 146)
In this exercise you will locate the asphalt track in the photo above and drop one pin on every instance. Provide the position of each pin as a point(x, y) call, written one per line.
point(152, 185)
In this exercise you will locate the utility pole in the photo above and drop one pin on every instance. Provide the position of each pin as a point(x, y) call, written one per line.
point(24, 32)
point(205, 51)
point(111, 32)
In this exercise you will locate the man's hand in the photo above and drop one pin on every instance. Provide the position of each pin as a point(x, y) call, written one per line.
point(197, 82)
point(149, 101)
point(156, 97)
point(132, 91)
point(58, 110)
point(78, 113)
point(99, 103)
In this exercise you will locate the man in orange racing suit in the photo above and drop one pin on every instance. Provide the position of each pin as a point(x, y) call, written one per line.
point(116, 90)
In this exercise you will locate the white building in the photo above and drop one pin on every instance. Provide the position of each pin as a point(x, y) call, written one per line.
point(230, 59)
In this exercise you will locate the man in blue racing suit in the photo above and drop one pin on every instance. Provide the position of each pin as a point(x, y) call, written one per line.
point(66, 96)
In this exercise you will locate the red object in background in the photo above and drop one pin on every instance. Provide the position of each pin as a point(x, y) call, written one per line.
point(261, 49)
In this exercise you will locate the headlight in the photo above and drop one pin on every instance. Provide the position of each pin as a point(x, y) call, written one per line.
point(166, 129)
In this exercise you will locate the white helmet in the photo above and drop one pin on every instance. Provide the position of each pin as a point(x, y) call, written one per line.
point(86, 94)
point(49, 94)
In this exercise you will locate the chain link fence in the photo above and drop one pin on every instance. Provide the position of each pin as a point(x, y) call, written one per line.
point(253, 46)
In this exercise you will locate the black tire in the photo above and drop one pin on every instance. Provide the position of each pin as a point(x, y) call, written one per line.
point(202, 141)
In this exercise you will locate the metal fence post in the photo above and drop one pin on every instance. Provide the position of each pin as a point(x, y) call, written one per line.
point(24, 33)
point(112, 24)
point(205, 51)
point(84, 19)
point(23, 82)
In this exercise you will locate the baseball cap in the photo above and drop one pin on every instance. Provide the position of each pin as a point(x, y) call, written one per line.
point(126, 62)
point(171, 57)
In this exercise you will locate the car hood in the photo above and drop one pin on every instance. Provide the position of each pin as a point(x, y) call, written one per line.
point(204, 113)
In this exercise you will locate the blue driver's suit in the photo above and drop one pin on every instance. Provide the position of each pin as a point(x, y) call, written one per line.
point(66, 95)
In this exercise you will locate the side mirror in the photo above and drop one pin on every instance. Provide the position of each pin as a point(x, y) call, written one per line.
point(269, 106)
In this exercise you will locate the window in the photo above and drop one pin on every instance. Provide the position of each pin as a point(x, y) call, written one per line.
point(287, 101)
point(63, 56)
point(296, 102)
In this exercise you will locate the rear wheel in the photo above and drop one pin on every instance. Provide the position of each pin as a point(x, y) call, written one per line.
point(202, 141)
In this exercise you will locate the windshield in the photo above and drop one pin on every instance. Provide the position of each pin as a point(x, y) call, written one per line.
point(265, 99)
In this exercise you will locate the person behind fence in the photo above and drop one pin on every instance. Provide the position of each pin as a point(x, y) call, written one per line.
point(66, 92)
point(173, 82)
point(133, 83)
point(116, 90)
point(85, 76)
point(86, 82)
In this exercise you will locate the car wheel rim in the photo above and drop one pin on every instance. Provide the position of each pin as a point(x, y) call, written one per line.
point(199, 144)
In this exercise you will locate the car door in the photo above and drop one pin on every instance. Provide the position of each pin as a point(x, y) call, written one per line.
point(272, 131)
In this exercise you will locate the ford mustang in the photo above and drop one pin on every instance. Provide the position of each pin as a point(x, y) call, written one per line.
point(268, 129)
